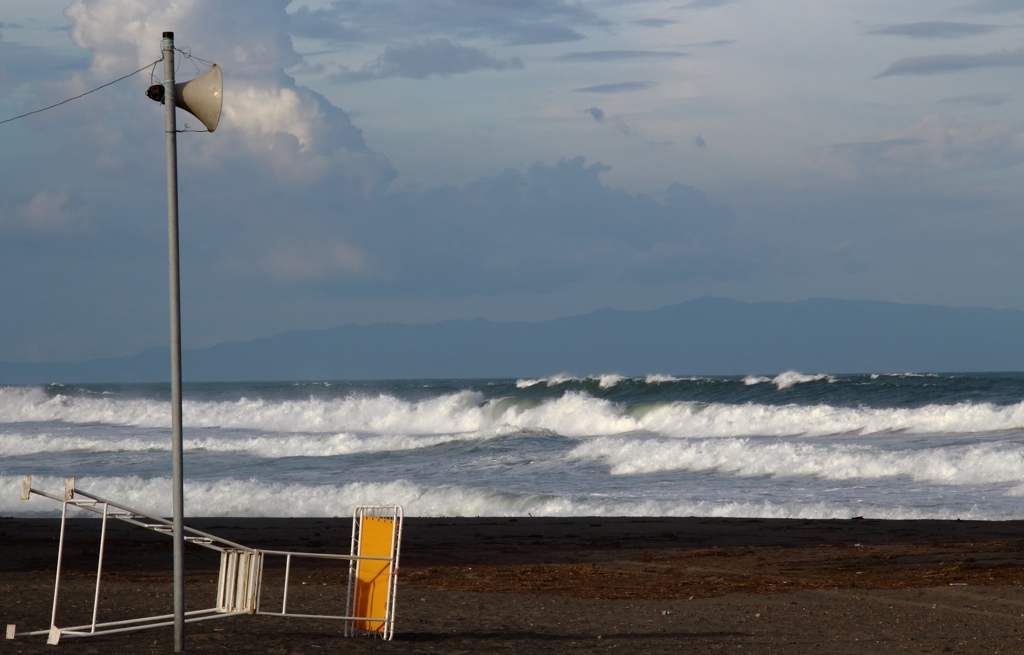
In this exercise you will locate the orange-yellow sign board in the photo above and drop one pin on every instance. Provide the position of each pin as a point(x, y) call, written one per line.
point(373, 576)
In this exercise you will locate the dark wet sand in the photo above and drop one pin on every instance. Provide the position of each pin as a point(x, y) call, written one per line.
point(671, 585)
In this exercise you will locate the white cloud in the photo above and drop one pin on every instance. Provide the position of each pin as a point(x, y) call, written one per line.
point(297, 135)
point(421, 60)
point(47, 213)
point(934, 145)
point(309, 261)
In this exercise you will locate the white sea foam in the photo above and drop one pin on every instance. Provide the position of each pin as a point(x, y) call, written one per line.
point(604, 381)
point(266, 446)
point(555, 380)
point(875, 376)
point(576, 414)
point(977, 464)
point(383, 414)
point(365, 424)
point(787, 379)
point(525, 384)
point(659, 378)
point(261, 499)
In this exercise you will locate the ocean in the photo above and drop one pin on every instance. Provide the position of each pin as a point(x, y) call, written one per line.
point(791, 446)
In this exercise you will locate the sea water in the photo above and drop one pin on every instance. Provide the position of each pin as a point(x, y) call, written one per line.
point(795, 445)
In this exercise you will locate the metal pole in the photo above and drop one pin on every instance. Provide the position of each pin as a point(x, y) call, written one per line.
point(60, 557)
point(99, 567)
point(177, 491)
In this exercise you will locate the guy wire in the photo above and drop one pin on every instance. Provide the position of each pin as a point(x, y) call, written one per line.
point(8, 120)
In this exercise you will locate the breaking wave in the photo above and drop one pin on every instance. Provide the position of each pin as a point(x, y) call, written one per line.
point(787, 379)
point(977, 464)
point(229, 497)
point(603, 381)
point(315, 427)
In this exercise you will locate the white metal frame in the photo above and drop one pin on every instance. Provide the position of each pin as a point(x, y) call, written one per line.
point(393, 513)
point(239, 583)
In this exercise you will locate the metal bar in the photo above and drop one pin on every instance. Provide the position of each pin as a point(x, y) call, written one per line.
point(221, 574)
point(299, 553)
point(99, 569)
point(46, 495)
point(161, 520)
point(174, 277)
point(229, 587)
point(60, 556)
point(151, 625)
point(257, 564)
point(287, 571)
point(352, 550)
point(396, 546)
point(158, 617)
point(31, 634)
point(241, 579)
point(326, 616)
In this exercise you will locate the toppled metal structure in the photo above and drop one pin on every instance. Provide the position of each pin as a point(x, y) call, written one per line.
point(372, 573)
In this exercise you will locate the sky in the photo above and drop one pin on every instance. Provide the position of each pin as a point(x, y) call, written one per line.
point(425, 160)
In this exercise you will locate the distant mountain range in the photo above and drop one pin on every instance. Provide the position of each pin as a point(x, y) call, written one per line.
point(707, 336)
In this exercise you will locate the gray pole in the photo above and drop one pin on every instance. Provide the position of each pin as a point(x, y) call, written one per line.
point(177, 485)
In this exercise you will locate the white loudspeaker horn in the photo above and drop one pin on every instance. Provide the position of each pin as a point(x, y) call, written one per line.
point(202, 97)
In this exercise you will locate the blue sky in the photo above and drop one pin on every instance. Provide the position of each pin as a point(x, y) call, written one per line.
point(423, 160)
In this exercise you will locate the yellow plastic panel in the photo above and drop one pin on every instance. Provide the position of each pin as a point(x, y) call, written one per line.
point(373, 576)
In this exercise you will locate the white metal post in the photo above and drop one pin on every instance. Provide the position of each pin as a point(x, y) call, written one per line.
point(287, 571)
point(60, 557)
point(177, 490)
point(99, 567)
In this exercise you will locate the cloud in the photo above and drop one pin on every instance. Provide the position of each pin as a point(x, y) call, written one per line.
point(433, 57)
point(296, 262)
point(936, 145)
point(709, 44)
point(938, 64)
point(21, 64)
point(542, 34)
point(522, 230)
point(994, 6)
point(874, 149)
point(286, 213)
point(620, 126)
point(705, 4)
point(47, 213)
point(322, 24)
point(980, 99)
point(541, 228)
point(511, 23)
point(615, 55)
point(282, 134)
point(934, 30)
point(653, 22)
point(617, 87)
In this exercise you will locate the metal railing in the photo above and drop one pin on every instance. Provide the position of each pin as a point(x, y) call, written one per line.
point(240, 581)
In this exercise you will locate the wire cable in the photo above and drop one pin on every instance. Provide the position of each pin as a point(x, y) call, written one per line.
point(8, 120)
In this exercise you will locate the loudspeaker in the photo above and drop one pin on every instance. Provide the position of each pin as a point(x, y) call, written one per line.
point(201, 97)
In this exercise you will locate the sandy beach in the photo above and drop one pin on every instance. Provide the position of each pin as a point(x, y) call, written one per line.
point(532, 585)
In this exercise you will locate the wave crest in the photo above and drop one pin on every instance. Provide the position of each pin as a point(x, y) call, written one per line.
point(787, 379)
point(967, 465)
point(265, 499)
